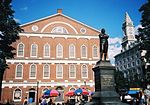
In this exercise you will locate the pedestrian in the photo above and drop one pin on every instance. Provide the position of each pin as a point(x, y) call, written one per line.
point(30, 100)
point(25, 102)
point(50, 102)
point(142, 100)
point(40, 100)
point(7, 103)
point(44, 102)
point(148, 101)
point(134, 101)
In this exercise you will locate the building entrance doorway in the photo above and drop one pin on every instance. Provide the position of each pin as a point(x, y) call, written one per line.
point(60, 98)
point(32, 95)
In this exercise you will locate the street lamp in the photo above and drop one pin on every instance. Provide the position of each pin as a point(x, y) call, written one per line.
point(37, 92)
point(85, 83)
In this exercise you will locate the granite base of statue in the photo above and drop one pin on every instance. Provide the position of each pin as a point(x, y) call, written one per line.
point(105, 93)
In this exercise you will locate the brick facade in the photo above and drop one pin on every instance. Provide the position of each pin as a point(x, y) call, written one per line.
point(39, 32)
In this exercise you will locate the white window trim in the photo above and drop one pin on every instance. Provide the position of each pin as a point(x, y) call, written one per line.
point(18, 49)
point(75, 71)
point(74, 51)
point(16, 100)
point(57, 51)
point(72, 88)
point(82, 29)
point(35, 72)
point(36, 50)
point(93, 52)
point(81, 52)
point(44, 51)
point(16, 72)
point(48, 74)
point(56, 71)
point(82, 69)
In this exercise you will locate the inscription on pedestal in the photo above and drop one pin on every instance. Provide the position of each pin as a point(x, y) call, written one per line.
point(107, 80)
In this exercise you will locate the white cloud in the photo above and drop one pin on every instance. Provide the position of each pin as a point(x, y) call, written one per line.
point(114, 48)
point(24, 8)
point(114, 40)
point(17, 20)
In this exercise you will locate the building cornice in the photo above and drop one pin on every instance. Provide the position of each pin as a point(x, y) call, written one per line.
point(45, 84)
point(77, 36)
point(51, 61)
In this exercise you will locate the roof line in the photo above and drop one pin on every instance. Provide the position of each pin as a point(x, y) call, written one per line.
point(62, 15)
point(39, 19)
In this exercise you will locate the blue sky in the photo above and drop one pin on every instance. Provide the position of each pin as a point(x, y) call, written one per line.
point(108, 14)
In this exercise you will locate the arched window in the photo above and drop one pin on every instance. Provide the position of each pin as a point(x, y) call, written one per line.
point(59, 51)
point(83, 51)
point(46, 50)
point(72, 89)
point(59, 30)
point(19, 71)
point(33, 71)
point(46, 71)
point(71, 51)
point(95, 52)
point(59, 71)
point(72, 71)
point(17, 95)
point(20, 50)
point(34, 50)
point(84, 71)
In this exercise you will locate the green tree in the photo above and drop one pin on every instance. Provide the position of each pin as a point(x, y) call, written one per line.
point(9, 30)
point(144, 34)
point(120, 81)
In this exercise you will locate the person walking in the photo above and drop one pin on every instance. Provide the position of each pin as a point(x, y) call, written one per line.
point(25, 102)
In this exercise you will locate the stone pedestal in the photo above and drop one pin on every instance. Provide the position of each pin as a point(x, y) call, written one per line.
point(105, 93)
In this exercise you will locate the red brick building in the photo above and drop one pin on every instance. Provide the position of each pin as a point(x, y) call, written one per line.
point(56, 52)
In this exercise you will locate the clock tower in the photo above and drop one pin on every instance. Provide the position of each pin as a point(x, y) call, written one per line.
point(129, 33)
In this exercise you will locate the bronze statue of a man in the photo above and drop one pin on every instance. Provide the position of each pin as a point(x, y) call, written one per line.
point(103, 44)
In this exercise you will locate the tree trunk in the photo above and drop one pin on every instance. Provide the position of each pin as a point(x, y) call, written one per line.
point(1, 79)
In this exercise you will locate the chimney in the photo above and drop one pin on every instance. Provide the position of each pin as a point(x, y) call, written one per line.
point(59, 10)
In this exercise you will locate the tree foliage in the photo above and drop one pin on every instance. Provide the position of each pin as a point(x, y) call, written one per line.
point(9, 30)
point(144, 35)
point(120, 81)
point(144, 31)
point(145, 21)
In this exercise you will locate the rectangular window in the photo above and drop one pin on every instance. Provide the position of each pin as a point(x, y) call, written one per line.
point(59, 71)
point(83, 52)
point(46, 50)
point(33, 72)
point(71, 51)
point(95, 52)
point(19, 71)
point(59, 51)
point(34, 50)
point(21, 50)
point(46, 72)
point(72, 71)
point(84, 71)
